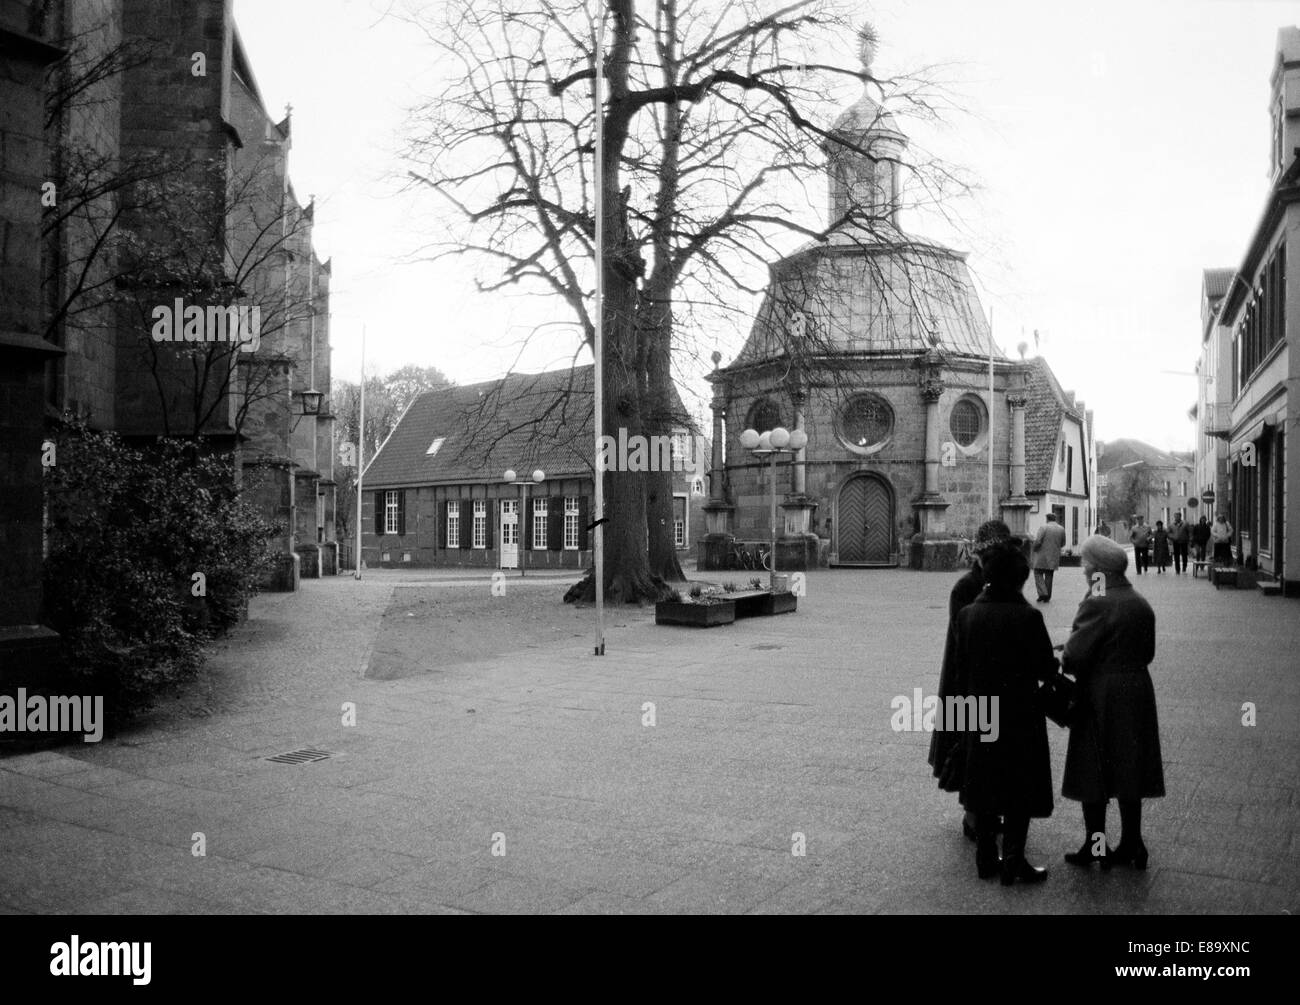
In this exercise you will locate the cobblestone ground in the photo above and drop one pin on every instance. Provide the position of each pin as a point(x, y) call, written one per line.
point(478, 726)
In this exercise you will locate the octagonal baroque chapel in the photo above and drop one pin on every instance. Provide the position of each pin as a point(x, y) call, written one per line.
point(874, 343)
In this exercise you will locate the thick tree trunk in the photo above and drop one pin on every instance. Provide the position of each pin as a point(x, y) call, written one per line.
point(661, 416)
point(626, 559)
point(655, 320)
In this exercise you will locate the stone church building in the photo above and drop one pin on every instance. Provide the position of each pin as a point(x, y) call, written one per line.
point(874, 343)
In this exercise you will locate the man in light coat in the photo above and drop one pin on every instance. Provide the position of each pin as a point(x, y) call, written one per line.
point(1047, 556)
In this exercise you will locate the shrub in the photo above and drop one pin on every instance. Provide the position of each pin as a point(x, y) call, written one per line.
point(756, 583)
point(697, 591)
point(729, 587)
point(126, 531)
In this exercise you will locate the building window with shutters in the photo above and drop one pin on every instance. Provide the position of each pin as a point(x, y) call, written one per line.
point(480, 523)
point(570, 523)
point(391, 511)
point(453, 523)
point(539, 524)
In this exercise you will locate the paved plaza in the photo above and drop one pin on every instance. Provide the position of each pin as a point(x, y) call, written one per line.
point(481, 728)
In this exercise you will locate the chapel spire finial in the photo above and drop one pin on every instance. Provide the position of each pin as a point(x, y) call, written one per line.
point(868, 43)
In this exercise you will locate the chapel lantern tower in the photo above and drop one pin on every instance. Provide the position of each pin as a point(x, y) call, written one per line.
point(865, 158)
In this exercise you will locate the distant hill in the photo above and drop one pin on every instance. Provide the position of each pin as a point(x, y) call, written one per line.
point(1113, 454)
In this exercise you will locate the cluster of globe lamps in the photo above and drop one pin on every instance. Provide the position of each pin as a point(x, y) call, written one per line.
point(769, 444)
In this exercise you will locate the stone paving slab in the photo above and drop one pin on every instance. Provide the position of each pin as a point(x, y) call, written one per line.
point(763, 729)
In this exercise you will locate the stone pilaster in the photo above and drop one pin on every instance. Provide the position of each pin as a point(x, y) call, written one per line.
point(1015, 508)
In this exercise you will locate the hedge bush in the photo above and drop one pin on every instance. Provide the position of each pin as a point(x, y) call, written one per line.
point(126, 530)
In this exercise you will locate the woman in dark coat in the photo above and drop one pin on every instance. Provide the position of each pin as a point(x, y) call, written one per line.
point(1002, 652)
point(1160, 547)
point(1114, 749)
point(964, 592)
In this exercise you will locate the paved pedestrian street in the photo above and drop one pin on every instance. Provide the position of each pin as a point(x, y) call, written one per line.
point(495, 765)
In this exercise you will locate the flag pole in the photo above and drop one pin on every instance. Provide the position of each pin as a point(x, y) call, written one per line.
point(990, 411)
point(598, 340)
point(361, 447)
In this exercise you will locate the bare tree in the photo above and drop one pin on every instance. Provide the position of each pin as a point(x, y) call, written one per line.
point(713, 125)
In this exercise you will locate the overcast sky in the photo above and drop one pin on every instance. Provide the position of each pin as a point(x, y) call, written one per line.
point(1122, 147)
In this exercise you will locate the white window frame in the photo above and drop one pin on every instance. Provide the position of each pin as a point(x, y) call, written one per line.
point(453, 523)
point(570, 523)
point(390, 511)
point(540, 513)
point(679, 446)
point(479, 527)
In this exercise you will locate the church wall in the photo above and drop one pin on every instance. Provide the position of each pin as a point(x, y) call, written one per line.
point(901, 461)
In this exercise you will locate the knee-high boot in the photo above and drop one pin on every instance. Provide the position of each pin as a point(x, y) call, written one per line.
point(1015, 832)
point(1131, 849)
point(986, 845)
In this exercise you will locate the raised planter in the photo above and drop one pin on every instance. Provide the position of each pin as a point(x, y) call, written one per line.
point(760, 603)
point(679, 612)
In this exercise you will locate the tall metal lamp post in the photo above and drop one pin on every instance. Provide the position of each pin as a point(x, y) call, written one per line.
point(511, 478)
point(770, 444)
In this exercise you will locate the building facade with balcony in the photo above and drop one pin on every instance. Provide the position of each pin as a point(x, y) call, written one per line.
point(1260, 312)
point(1213, 413)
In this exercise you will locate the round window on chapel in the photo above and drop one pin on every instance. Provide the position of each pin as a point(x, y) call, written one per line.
point(765, 415)
point(967, 422)
point(866, 423)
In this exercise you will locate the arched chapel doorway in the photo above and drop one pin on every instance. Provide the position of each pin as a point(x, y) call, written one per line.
point(864, 521)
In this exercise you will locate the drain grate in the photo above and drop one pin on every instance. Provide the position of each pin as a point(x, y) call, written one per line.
point(304, 756)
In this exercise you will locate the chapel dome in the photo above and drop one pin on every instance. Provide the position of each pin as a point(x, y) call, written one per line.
point(868, 287)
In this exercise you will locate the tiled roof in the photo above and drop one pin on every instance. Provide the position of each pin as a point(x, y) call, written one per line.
point(523, 421)
point(863, 297)
point(1217, 282)
point(1047, 405)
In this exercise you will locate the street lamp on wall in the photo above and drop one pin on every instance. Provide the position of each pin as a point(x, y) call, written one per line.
point(511, 477)
point(770, 444)
point(311, 405)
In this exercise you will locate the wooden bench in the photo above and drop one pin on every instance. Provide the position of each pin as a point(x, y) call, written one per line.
point(1198, 564)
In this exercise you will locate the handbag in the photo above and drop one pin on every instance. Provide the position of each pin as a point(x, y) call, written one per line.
point(1058, 698)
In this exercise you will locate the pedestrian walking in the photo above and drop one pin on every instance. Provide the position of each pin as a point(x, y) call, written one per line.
point(1160, 547)
point(1200, 539)
point(1114, 748)
point(1221, 535)
point(945, 757)
point(1180, 535)
point(1047, 556)
point(1140, 535)
point(1002, 652)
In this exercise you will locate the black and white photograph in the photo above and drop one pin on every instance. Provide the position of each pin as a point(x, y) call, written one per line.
point(650, 457)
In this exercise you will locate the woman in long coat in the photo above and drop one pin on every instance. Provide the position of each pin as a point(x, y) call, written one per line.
point(964, 592)
point(1160, 547)
point(1002, 652)
point(1114, 750)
